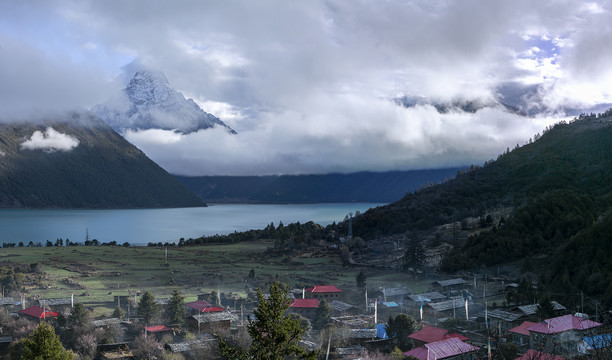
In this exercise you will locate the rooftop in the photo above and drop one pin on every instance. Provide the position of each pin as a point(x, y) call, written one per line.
point(305, 303)
point(340, 306)
point(427, 297)
point(199, 305)
point(503, 315)
point(522, 329)
point(7, 301)
point(213, 317)
point(563, 323)
point(323, 289)
point(533, 308)
point(157, 328)
point(448, 304)
point(430, 334)
point(450, 282)
point(38, 312)
point(534, 354)
point(441, 349)
point(397, 291)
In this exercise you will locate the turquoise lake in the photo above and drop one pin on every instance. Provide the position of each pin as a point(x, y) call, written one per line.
point(141, 226)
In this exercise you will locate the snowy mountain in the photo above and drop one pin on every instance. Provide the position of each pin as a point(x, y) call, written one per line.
point(148, 102)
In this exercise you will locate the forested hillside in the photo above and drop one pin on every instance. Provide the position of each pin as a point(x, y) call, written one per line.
point(576, 157)
point(102, 171)
point(355, 187)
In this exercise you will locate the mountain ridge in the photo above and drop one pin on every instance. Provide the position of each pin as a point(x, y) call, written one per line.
point(364, 186)
point(102, 170)
point(148, 102)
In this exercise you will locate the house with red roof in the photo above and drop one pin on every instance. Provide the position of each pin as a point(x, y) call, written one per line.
point(323, 291)
point(448, 349)
point(306, 307)
point(561, 335)
point(430, 334)
point(198, 306)
point(38, 313)
point(520, 334)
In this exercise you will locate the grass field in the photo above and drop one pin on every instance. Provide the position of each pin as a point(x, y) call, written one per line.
point(96, 274)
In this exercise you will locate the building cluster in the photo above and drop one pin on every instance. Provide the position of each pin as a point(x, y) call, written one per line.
point(453, 322)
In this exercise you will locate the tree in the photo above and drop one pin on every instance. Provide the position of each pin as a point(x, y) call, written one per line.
point(252, 274)
point(322, 315)
point(119, 313)
point(79, 316)
point(399, 328)
point(360, 279)
point(415, 254)
point(275, 335)
point(147, 307)
point(144, 347)
point(44, 344)
point(176, 308)
point(545, 309)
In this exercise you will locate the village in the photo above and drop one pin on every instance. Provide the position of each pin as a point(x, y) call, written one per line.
point(454, 319)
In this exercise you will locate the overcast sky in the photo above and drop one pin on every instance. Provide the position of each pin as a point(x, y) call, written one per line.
point(308, 85)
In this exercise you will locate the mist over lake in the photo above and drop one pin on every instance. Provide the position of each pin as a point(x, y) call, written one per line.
point(141, 226)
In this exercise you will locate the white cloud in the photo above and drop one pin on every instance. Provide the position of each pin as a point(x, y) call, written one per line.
point(343, 133)
point(307, 84)
point(50, 141)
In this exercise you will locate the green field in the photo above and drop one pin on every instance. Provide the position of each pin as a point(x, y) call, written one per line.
point(96, 274)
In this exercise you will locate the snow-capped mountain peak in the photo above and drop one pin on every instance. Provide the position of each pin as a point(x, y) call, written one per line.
point(148, 102)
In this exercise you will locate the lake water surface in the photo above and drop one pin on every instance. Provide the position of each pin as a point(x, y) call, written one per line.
point(141, 226)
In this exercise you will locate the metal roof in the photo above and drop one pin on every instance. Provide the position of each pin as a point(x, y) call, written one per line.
point(563, 323)
point(213, 317)
point(448, 304)
point(305, 303)
point(522, 329)
point(450, 282)
point(397, 291)
point(503, 315)
point(533, 308)
point(427, 297)
point(105, 322)
point(323, 289)
point(442, 349)
point(7, 301)
point(340, 306)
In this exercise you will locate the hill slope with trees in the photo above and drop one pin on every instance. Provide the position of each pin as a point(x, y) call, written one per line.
point(325, 188)
point(102, 171)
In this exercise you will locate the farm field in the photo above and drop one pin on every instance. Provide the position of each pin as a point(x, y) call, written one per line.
point(96, 274)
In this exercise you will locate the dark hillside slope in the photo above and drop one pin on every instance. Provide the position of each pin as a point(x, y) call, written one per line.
point(576, 157)
point(354, 187)
point(103, 171)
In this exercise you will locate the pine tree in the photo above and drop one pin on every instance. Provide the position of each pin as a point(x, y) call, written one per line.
point(324, 312)
point(44, 344)
point(147, 307)
point(360, 279)
point(275, 335)
point(79, 316)
point(415, 254)
point(399, 328)
point(176, 308)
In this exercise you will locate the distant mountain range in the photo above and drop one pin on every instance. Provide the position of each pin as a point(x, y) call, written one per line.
point(148, 102)
point(380, 187)
point(78, 161)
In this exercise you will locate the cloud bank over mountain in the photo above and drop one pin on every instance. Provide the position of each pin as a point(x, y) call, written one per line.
point(309, 86)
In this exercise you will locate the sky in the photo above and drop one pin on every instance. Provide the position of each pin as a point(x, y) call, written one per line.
point(309, 86)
